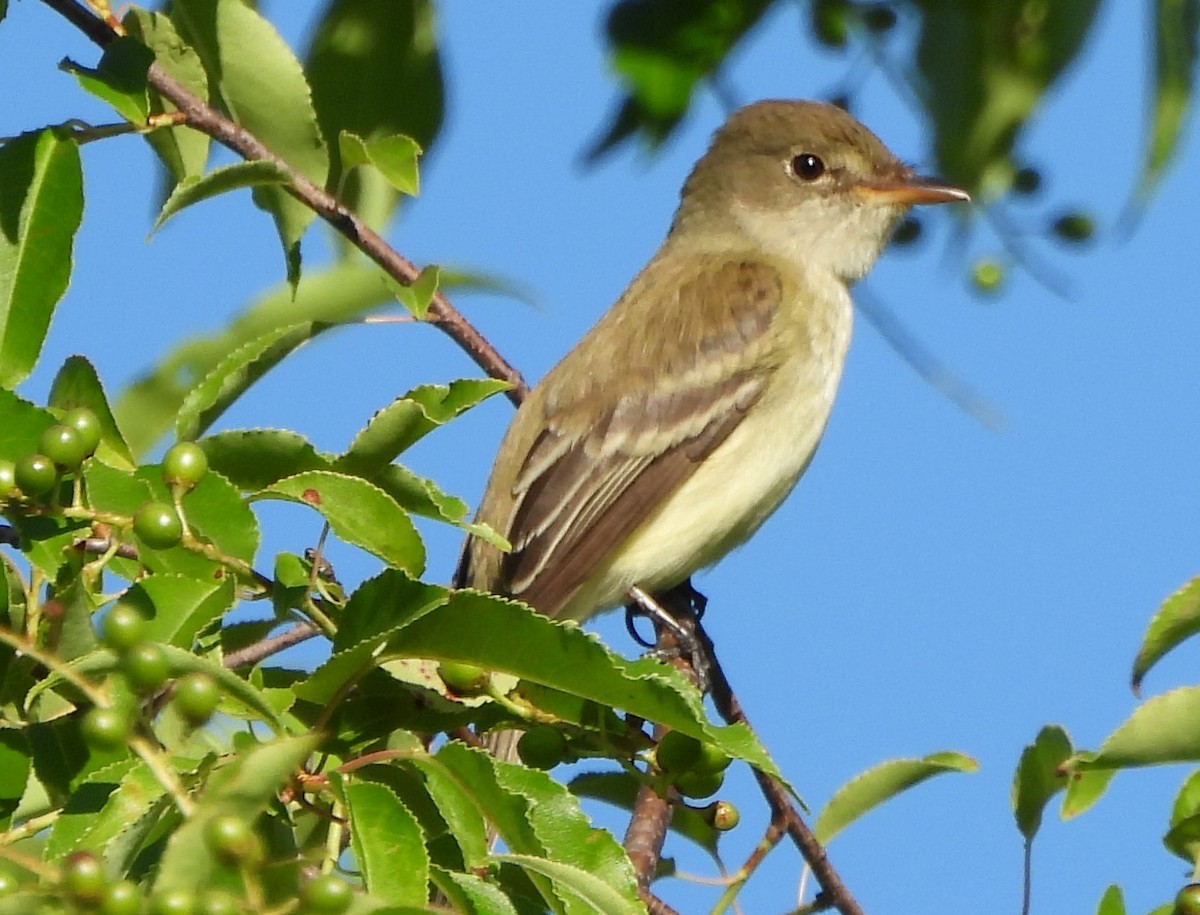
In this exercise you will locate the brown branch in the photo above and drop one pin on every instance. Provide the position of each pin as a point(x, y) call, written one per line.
point(199, 115)
point(264, 648)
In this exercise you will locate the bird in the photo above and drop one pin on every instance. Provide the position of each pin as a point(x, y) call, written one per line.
point(675, 427)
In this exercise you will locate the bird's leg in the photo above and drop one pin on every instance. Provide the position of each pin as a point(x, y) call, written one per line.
point(675, 614)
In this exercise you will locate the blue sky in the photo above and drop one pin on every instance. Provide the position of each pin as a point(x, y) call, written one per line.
point(932, 583)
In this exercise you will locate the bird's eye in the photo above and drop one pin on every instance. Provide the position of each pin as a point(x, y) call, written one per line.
point(808, 167)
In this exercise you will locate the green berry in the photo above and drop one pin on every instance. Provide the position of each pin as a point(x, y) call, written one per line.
point(173, 902)
point(184, 464)
point(84, 879)
point(987, 275)
point(724, 816)
point(146, 667)
point(1027, 180)
point(8, 882)
point(465, 679)
point(218, 903)
point(829, 22)
point(879, 18)
point(1074, 227)
point(157, 525)
point(677, 752)
point(711, 759)
point(1187, 901)
point(907, 231)
point(123, 898)
point(105, 728)
point(63, 445)
point(696, 784)
point(8, 478)
point(542, 747)
point(231, 839)
point(84, 421)
point(123, 627)
point(196, 697)
point(35, 474)
point(325, 895)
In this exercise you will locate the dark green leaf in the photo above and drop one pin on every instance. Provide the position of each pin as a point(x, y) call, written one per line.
point(41, 204)
point(1039, 777)
point(620, 789)
point(1177, 620)
point(253, 459)
point(260, 83)
point(195, 188)
point(359, 513)
point(23, 424)
point(78, 385)
point(881, 783)
point(178, 607)
point(120, 78)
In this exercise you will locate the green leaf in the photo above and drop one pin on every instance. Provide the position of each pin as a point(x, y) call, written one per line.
point(260, 83)
point(357, 47)
point(417, 295)
point(120, 78)
point(580, 890)
point(1112, 902)
point(23, 425)
point(620, 789)
point(1160, 730)
point(343, 292)
point(1183, 840)
point(984, 67)
point(662, 52)
point(183, 150)
point(409, 418)
point(1176, 25)
point(359, 513)
point(388, 844)
point(243, 788)
point(881, 783)
point(41, 204)
point(395, 158)
point(471, 894)
point(253, 459)
point(234, 375)
point(78, 385)
point(1039, 777)
point(422, 496)
point(1084, 789)
point(195, 188)
point(178, 607)
point(1177, 620)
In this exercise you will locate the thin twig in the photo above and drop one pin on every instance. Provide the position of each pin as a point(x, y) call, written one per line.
point(253, 654)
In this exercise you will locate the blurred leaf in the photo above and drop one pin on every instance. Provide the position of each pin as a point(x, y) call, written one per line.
point(661, 50)
point(359, 513)
point(1160, 730)
point(358, 47)
point(242, 787)
point(261, 84)
point(1177, 620)
point(1183, 840)
point(1039, 777)
point(1112, 902)
point(1176, 26)
point(120, 78)
point(183, 150)
point(195, 188)
point(880, 784)
point(984, 68)
point(1187, 799)
point(78, 385)
point(230, 378)
point(148, 408)
point(388, 845)
point(41, 205)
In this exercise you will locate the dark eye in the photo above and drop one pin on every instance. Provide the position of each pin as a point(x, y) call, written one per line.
point(808, 167)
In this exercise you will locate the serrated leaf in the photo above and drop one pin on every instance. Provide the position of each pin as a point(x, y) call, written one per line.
point(243, 787)
point(261, 84)
point(41, 205)
point(194, 188)
point(120, 77)
point(183, 151)
point(1176, 24)
point(471, 894)
point(1161, 730)
point(177, 607)
point(1177, 620)
point(1039, 777)
point(1112, 902)
point(253, 459)
point(881, 783)
point(359, 513)
point(422, 496)
point(1084, 789)
point(409, 418)
point(580, 890)
point(78, 385)
point(148, 408)
point(388, 844)
point(234, 374)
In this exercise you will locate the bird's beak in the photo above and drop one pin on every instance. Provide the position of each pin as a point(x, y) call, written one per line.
point(908, 189)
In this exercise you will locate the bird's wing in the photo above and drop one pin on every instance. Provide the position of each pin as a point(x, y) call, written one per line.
point(598, 469)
